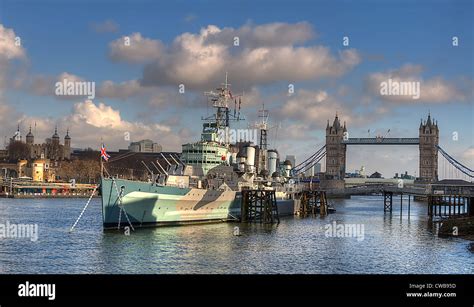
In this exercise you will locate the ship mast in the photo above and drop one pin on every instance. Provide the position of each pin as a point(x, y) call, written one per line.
point(263, 127)
point(220, 99)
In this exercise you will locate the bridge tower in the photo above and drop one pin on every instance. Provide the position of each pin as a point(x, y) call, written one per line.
point(429, 139)
point(335, 150)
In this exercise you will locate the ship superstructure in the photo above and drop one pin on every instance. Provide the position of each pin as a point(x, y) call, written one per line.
point(214, 147)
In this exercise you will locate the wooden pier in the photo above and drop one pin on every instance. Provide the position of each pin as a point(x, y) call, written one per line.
point(443, 201)
point(450, 206)
point(312, 201)
point(259, 206)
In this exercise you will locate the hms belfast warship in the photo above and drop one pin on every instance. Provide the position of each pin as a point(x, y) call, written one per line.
point(205, 183)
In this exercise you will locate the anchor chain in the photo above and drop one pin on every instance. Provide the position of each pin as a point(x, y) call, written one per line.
point(120, 218)
point(121, 206)
point(84, 209)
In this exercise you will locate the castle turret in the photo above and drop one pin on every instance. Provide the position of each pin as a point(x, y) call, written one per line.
point(67, 146)
point(17, 135)
point(30, 142)
point(54, 150)
point(55, 137)
point(30, 139)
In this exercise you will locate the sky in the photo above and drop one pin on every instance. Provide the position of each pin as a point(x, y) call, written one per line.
point(281, 43)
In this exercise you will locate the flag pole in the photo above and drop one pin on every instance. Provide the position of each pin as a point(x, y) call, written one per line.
point(100, 158)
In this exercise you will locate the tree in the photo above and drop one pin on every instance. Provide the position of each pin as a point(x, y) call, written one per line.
point(84, 171)
point(18, 150)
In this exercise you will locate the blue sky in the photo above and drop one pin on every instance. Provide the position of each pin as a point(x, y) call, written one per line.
point(59, 37)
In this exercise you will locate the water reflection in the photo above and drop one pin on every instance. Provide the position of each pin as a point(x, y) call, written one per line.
point(391, 243)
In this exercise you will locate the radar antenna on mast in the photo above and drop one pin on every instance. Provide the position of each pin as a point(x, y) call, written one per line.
point(220, 101)
point(262, 125)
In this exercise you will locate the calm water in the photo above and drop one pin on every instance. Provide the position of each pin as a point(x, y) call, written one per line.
point(390, 245)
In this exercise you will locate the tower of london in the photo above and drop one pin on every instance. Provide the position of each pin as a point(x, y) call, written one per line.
point(51, 148)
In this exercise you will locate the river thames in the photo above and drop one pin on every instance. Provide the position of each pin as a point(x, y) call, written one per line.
point(388, 245)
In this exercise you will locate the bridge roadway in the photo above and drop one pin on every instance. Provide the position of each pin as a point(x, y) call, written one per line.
point(421, 190)
point(412, 189)
point(381, 141)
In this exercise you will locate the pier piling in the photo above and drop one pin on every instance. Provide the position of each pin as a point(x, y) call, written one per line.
point(311, 201)
point(387, 200)
point(401, 205)
point(452, 205)
point(409, 197)
point(259, 206)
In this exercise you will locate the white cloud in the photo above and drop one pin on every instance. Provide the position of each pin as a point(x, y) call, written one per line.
point(266, 35)
point(188, 61)
point(6, 112)
point(166, 99)
point(91, 123)
point(103, 116)
point(272, 64)
point(8, 47)
point(69, 77)
point(314, 107)
point(46, 85)
point(121, 90)
point(252, 97)
point(9, 51)
point(297, 132)
point(266, 53)
point(434, 90)
point(97, 115)
point(135, 49)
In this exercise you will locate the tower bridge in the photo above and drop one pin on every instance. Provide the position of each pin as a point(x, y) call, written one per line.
point(427, 141)
point(337, 141)
point(446, 198)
